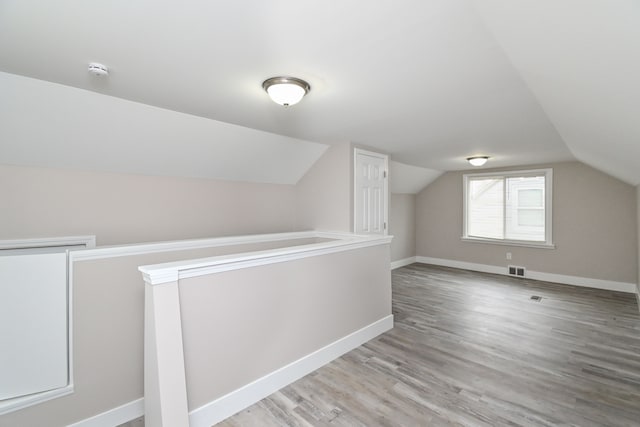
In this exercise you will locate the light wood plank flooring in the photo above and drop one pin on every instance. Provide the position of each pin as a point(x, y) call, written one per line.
point(474, 349)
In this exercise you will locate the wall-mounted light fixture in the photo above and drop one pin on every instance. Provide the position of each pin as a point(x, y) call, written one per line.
point(286, 90)
point(478, 160)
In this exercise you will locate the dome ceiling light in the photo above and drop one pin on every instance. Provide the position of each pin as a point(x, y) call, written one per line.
point(99, 70)
point(286, 91)
point(478, 160)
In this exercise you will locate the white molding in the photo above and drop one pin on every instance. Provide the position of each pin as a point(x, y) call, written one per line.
point(17, 403)
point(586, 282)
point(166, 272)
point(44, 242)
point(402, 262)
point(178, 245)
point(224, 407)
point(548, 185)
point(88, 241)
point(485, 268)
point(114, 417)
point(506, 242)
point(165, 384)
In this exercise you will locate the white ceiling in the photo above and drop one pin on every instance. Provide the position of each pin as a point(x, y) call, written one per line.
point(50, 125)
point(409, 179)
point(428, 81)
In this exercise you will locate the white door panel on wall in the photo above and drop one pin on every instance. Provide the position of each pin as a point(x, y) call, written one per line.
point(33, 323)
point(370, 207)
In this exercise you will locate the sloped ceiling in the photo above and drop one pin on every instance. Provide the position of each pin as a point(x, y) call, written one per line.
point(581, 60)
point(428, 81)
point(409, 179)
point(50, 125)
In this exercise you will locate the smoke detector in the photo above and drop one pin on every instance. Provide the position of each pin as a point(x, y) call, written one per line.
point(98, 69)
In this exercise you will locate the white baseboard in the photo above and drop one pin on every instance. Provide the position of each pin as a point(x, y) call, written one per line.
point(402, 262)
point(216, 411)
point(114, 417)
point(485, 268)
point(609, 285)
point(224, 407)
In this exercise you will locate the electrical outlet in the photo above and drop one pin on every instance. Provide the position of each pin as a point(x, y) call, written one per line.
point(508, 255)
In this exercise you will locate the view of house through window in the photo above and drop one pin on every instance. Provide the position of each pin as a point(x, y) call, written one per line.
point(509, 206)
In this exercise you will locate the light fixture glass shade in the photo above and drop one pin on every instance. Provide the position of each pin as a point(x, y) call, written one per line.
point(478, 160)
point(286, 90)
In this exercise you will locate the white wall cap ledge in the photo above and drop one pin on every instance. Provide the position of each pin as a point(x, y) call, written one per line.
point(177, 245)
point(172, 271)
point(162, 276)
point(21, 402)
point(87, 241)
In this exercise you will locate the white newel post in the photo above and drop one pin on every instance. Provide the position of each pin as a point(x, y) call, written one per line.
point(165, 389)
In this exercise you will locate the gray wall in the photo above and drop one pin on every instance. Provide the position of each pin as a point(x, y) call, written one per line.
point(108, 315)
point(126, 208)
point(402, 225)
point(594, 226)
point(122, 208)
point(319, 300)
point(324, 194)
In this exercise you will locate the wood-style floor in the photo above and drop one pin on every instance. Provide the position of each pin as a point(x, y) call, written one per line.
point(474, 349)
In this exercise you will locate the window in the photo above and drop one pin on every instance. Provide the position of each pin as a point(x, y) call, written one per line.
point(509, 207)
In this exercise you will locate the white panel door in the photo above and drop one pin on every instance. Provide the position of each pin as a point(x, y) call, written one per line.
point(370, 199)
point(33, 323)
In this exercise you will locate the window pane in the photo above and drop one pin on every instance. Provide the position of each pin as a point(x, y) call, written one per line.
point(513, 206)
point(531, 198)
point(525, 213)
point(485, 214)
point(531, 217)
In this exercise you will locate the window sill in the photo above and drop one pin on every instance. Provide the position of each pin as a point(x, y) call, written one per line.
point(524, 244)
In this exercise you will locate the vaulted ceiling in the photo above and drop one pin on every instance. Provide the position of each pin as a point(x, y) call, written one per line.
point(428, 81)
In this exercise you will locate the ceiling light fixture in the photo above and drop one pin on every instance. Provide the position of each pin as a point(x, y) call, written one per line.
point(286, 90)
point(98, 69)
point(478, 160)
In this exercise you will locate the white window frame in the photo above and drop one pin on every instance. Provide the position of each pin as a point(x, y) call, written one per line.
point(548, 181)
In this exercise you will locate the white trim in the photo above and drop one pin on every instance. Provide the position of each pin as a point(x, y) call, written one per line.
point(506, 242)
point(586, 282)
point(70, 318)
point(225, 406)
point(178, 245)
point(114, 417)
point(86, 241)
point(165, 384)
point(249, 394)
point(172, 271)
point(385, 196)
point(402, 262)
point(485, 268)
point(17, 403)
point(548, 218)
